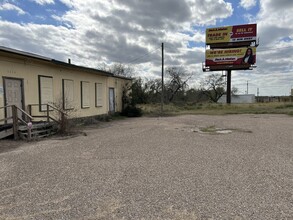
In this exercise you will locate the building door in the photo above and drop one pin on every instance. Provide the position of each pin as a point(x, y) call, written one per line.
point(111, 100)
point(13, 95)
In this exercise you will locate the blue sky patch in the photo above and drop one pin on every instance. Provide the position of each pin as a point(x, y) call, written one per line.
point(35, 13)
point(286, 39)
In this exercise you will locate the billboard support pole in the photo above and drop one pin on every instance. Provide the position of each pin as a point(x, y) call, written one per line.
point(162, 95)
point(228, 86)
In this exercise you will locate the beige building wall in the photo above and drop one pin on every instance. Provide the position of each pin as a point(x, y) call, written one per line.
point(29, 69)
point(119, 84)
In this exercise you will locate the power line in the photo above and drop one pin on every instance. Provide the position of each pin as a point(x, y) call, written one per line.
point(170, 46)
point(142, 56)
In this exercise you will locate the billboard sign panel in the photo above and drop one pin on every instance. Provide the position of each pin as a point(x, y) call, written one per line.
point(231, 56)
point(228, 34)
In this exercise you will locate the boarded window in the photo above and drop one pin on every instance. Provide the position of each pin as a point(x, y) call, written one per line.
point(45, 91)
point(85, 94)
point(68, 94)
point(99, 94)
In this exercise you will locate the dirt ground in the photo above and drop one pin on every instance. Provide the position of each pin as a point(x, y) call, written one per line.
point(185, 167)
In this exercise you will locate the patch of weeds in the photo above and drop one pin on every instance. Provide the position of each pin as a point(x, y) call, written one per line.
point(209, 129)
point(211, 106)
point(289, 105)
point(280, 107)
point(188, 107)
point(261, 112)
point(213, 130)
point(284, 106)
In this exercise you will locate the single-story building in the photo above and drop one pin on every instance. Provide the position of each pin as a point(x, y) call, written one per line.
point(30, 81)
point(239, 99)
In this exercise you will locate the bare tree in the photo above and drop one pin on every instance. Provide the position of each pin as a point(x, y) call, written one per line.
point(154, 89)
point(234, 90)
point(119, 69)
point(178, 78)
point(214, 87)
point(65, 112)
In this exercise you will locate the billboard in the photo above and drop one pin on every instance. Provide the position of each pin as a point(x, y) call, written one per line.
point(238, 33)
point(231, 56)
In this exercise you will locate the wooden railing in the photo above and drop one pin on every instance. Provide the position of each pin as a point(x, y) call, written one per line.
point(27, 118)
point(47, 115)
point(15, 119)
point(5, 119)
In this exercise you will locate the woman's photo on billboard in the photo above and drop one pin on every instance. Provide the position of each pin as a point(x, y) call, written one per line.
point(248, 57)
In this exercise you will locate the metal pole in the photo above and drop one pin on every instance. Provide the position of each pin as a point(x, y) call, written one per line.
point(229, 86)
point(162, 95)
point(247, 87)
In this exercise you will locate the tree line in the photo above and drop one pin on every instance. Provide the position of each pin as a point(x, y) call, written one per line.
point(176, 86)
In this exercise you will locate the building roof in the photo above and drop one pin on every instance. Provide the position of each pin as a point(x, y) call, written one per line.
point(57, 62)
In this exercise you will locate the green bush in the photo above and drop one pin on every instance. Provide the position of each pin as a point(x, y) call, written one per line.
point(132, 111)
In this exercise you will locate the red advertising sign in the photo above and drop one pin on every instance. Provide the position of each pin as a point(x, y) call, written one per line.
point(231, 56)
point(238, 33)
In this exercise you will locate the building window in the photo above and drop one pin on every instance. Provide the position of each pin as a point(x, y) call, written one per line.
point(85, 93)
point(99, 94)
point(45, 91)
point(68, 94)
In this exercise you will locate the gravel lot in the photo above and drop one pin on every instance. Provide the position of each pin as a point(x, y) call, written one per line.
point(154, 168)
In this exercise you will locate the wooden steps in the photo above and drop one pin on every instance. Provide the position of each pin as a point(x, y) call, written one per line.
point(19, 128)
point(39, 130)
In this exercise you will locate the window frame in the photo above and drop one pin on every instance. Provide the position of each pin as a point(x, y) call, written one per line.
point(82, 87)
point(40, 92)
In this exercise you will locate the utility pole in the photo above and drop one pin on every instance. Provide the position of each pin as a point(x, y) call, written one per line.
point(162, 95)
point(228, 100)
point(257, 91)
point(247, 87)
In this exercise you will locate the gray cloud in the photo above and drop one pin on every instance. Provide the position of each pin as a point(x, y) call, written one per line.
point(157, 14)
point(113, 29)
point(273, 5)
point(131, 30)
point(270, 33)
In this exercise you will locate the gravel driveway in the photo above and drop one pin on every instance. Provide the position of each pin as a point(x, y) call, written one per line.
point(186, 167)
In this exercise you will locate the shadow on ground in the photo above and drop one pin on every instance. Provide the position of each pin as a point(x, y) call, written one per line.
point(7, 145)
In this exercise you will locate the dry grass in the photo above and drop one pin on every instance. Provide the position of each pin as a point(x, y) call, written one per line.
point(218, 109)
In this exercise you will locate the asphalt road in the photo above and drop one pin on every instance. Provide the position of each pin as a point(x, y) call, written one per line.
point(186, 167)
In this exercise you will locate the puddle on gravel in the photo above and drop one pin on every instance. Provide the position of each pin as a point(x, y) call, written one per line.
point(209, 130)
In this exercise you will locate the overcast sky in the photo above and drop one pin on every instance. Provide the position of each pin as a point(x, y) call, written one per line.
point(97, 32)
